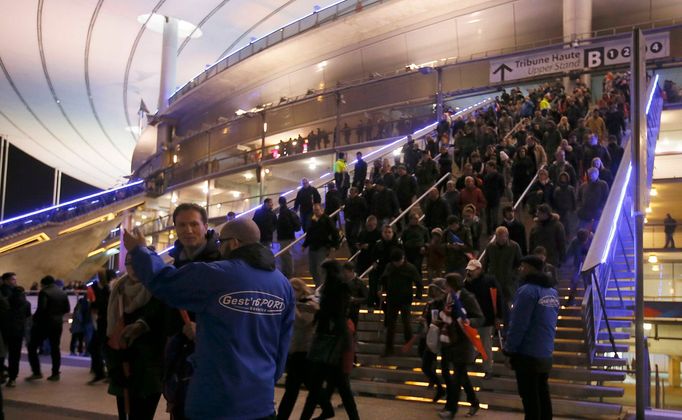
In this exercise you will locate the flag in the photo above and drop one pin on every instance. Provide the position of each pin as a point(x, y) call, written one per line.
point(472, 335)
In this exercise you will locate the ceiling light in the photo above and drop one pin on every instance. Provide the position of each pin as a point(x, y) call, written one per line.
point(648, 210)
point(218, 206)
point(157, 22)
point(138, 223)
point(473, 21)
point(248, 176)
point(174, 197)
point(647, 326)
point(653, 192)
point(175, 158)
point(144, 217)
point(655, 268)
point(653, 259)
point(204, 187)
point(396, 152)
point(239, 112)
point(267, 171)
point(235, 194)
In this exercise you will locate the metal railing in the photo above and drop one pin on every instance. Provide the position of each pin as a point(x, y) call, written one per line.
point(608, 243)
point(515, 206)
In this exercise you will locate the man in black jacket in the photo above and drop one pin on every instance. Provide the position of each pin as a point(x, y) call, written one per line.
point(360, 173)
point(405, 187)
point(354, 214)
point(385, 204)
point(14, 323)
point(320, 238)
point(47, 324)
point(517, 231)
point(493, 190)
point(288, 224)
point(266, 220)
point(489, 297)
point(397, 281)
point(196, 243)
point(305, 198)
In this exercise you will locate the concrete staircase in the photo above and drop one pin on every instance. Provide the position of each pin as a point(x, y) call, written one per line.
point(577, 386)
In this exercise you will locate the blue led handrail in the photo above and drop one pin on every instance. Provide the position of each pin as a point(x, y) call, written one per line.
point(69, 209)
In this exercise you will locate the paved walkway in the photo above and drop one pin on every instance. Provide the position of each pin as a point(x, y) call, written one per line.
point(71, 398)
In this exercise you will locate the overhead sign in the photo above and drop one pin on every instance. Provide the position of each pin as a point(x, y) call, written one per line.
point(585, 57)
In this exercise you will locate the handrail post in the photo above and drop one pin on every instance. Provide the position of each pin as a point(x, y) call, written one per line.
point(602, 303)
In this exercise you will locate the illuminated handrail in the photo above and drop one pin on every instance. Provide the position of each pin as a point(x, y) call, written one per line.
point(70, 203)
point(514, 207)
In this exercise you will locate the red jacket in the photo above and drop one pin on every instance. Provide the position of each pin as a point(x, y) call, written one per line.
point(473, 196)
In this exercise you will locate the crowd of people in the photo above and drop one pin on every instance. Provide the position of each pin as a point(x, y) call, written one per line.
point(183, 332)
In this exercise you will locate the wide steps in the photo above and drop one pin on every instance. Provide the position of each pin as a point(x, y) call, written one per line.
point(499, 400)
point(496, 383)
point(616, 324)
point(617, 335)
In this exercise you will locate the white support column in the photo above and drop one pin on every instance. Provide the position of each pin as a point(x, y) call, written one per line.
point(169, 50)
point(577, 24)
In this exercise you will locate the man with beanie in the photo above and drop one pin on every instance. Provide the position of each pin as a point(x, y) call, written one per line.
point(530, 337)
point(245, 313)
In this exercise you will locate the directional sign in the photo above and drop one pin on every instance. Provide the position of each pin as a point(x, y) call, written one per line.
point(565, 60)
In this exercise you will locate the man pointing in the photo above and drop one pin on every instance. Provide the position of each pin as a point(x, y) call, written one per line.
point(244, 311)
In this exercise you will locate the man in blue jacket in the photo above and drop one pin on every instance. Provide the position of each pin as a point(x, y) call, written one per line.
point(244, 311)
point(530, 337)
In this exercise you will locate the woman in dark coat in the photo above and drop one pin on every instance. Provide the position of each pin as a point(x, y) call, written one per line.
point(332, 321)
point(135, 347)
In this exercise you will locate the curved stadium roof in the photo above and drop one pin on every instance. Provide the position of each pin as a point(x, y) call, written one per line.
point(73, 72)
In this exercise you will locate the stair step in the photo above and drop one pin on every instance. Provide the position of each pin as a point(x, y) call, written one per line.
point(608, 361)
point(569, 321)
point(614, 323)
point(560, 407)
point(623, 293)
point(564, 344)
point(620, 313)
point(497, 383)
point(570, 332)
point(608, 348)
point(617, 335)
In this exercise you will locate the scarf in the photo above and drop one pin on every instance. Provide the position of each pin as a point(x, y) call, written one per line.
point(132, 296)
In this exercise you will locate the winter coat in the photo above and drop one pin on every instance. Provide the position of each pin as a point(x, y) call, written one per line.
point(532, 324)
point(460, 348)
point(305, 198)
point(591, 199)
point(355, 210)
point(405, 189)
point(53, 304)
point(564, 199)
point(481, 289)
point(427, 174)
point(551, 235)
point(230, 298)
point(415, 236)
point(266, 221)
point(501, 263)
point(385, 204)
point(472, 196)
point(517, 233)
point(321, 233)
point(398, 281)
point(288, 224)
point(493, 188)
point(143, 355)
point(436, 213)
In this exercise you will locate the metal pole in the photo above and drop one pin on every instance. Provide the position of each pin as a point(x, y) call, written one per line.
point(439, 93)
point(264, 130)
point(637, 90)
point(5, 162)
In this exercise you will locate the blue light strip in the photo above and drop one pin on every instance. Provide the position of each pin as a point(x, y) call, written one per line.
point(619, 207)
point(166, 250)
point(387, 146)
point(70, 202)
point(651, 95)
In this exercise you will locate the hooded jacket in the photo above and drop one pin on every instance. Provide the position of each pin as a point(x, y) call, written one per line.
point(245, 313)
point(532, 323)
point(550, 234)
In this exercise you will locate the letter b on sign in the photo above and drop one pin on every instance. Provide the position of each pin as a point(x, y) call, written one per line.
point(594, 57)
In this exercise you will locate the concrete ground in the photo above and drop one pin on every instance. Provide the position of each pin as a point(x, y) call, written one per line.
point(71, 398)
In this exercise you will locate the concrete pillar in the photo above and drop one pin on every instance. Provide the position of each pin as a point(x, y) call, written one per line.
point(577, 25)
point(169, 55)
point(674, 371)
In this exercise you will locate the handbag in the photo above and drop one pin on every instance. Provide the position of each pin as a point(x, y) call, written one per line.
point(433, 339)
point(326, 349)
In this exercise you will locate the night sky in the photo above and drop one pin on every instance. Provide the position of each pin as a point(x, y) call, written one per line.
point(30, 183)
